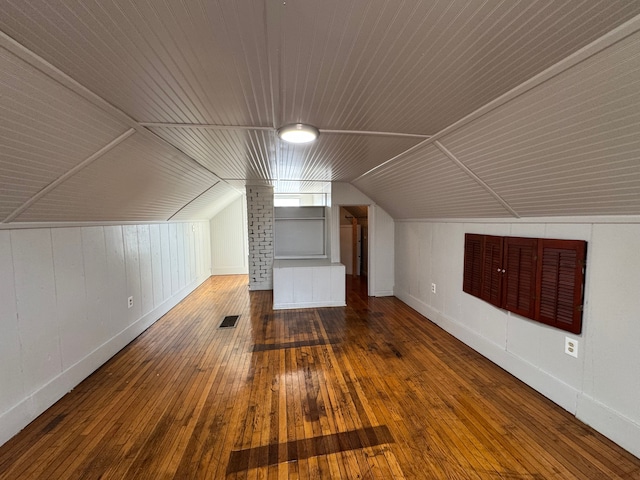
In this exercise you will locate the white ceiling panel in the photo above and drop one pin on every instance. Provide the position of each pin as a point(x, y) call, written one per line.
point(230, 154)
point(426, 184)
point(45, 130)
point(160, 61)
point(209, 204)
point(301, 187)
point(241, 185)
point(251, 155)
point(338, 157)
point(569, 147)
point(125, 185)
point(417, 67)
point(282, 186)
point(222, 75)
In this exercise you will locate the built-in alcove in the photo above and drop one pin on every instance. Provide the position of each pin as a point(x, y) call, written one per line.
point(354, 239)
point(303, 274)
point(300, 232)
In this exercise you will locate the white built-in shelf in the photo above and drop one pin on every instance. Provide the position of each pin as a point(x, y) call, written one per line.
point(300, 232)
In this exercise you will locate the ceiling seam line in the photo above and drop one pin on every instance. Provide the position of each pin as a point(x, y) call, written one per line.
point(72, 224)
point(51, 71)
point(69, 173)
point(211, 126)
point(274, 41)
point(600, 44)
point(192, 200)
point(386, 162)
point(375, 133)
point(583, 54)
point(476, 178)
point(268, 14)
point(605, 219)
point(203, 126)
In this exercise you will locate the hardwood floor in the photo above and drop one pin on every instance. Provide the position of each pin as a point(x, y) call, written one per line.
point(369, 391)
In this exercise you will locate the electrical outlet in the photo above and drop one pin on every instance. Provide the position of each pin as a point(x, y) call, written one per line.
point(571, 347)
point(130, 302)
point(433, 288)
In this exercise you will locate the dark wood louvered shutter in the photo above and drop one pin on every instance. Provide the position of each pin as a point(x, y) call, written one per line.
point(519, 289)
point(560, 286)
point(492, 270)
point(472, 277)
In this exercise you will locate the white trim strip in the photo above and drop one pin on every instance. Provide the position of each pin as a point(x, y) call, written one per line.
point(36, 225)
point(379, 134)
point(210, 126)
point(65, 80)
point(609, 39)
point(476, 178)
point(70, 173)
point(392, 159)
point(192, 200)
point(592, 219)
point(203, 126)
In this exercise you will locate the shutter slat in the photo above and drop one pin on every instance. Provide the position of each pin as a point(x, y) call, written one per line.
point(472, 278)
point(492, 270)
point(519, 288)
point(561, 283)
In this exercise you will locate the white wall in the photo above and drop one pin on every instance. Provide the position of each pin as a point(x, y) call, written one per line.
point(381, 237)
point(229, 239)
point(63, 302)
point(601, 386)
point(381, 248)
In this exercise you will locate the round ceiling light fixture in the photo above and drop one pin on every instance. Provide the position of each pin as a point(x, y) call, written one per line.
point(298, 133)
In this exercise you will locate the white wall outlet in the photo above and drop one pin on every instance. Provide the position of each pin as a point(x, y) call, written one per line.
point(130, 302)
point(571, 347)
point(433, 288)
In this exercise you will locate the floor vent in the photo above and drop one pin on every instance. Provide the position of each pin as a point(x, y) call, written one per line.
point(229, 321)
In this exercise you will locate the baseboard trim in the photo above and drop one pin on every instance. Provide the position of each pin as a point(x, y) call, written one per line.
point(620, 429)
point(551, 387)
point(229, 271)
point(291, 306)
point(19, 416)
point(383, 293)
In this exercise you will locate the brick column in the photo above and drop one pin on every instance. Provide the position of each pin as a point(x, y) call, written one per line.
point(260, 226)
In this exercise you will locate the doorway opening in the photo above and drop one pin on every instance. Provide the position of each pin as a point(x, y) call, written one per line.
point(354, 242)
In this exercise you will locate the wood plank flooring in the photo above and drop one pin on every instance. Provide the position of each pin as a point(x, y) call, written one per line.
point(370, 391)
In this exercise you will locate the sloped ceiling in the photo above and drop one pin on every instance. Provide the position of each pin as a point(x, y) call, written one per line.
point(131, 110)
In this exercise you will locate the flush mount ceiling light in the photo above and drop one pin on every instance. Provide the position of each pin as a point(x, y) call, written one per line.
point(298, 133)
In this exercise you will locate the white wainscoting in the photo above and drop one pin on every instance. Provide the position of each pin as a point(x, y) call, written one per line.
point(308, 284)
point(63, 302)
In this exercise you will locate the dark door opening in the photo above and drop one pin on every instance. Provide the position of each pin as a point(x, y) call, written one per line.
point(354, 239)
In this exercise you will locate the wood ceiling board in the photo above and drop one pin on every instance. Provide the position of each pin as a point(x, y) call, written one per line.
point(357, 211)
point(45, 130)
point(138, 180)
point(240, 185)
point(568, 147)
point(284, 186)
point(412, 67)
point(230, 154)
point(338, 157)
point(417, 67)
point(426, 184)
point(209, 204)
point(161, 61)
